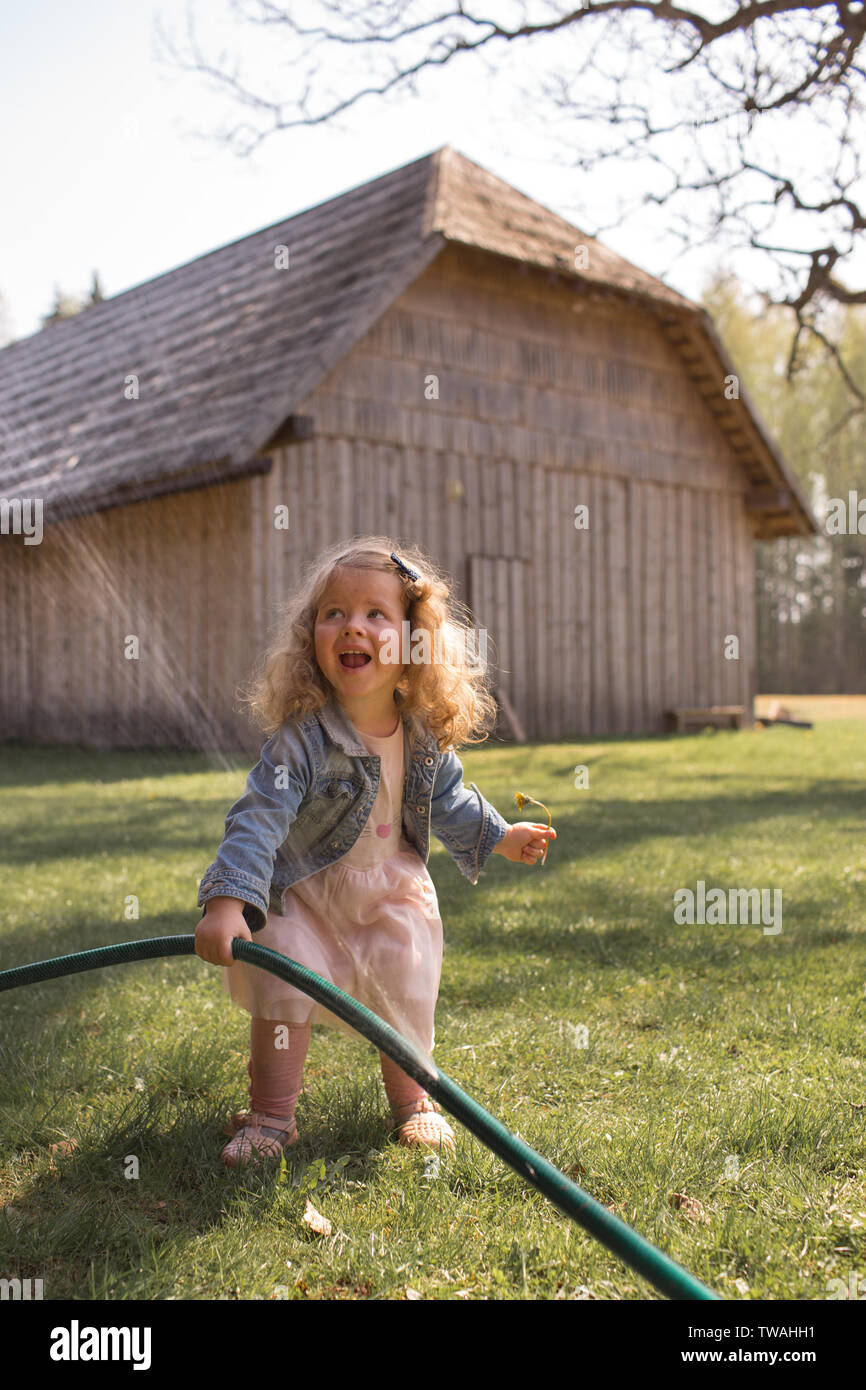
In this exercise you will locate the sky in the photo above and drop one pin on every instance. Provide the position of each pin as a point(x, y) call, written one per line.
point(111, 159)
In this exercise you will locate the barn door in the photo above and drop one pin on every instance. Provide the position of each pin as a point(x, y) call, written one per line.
point(496, 585)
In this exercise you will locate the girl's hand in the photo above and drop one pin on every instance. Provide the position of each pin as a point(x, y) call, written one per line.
point(217, 929)
point(525, 843)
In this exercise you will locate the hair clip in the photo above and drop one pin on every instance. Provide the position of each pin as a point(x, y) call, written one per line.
point(405, 568)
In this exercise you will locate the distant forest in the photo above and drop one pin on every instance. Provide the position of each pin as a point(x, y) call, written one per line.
point(811, 593)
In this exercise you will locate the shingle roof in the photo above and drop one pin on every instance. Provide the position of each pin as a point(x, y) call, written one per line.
point(226, 347)
point(479, 209)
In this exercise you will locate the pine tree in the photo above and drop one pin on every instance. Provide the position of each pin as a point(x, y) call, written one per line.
point(96, 295)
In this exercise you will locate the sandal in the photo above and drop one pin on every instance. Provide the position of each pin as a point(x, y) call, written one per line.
point(426, 1125)
point(267, 1135)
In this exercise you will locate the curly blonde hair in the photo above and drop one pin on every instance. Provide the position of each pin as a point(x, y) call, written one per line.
point(450, 693)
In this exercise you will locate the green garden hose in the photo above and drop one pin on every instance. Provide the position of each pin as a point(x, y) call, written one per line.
point(661, 1271)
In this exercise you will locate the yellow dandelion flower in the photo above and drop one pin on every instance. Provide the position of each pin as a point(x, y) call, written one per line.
point(523, 800)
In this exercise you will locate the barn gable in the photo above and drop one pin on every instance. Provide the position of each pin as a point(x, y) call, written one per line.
point(225, 349)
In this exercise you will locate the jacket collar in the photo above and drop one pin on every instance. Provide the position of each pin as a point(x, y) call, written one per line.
point(340, 729)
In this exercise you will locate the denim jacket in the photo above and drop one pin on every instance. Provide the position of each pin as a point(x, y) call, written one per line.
point(310, 795)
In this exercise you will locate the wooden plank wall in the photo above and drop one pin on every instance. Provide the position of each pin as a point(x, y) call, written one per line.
point(175, 572)
point(546, 401)
point(608, 627)
point(541, 409)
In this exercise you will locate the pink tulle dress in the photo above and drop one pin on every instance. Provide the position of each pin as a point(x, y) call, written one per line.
point(368, 923)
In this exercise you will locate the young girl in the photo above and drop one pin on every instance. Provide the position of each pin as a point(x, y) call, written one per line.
point(371, 682)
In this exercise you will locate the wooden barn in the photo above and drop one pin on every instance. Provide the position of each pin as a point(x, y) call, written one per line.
point(433, 356)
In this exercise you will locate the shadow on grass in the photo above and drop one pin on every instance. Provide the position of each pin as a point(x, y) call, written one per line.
point(45, 999)
point(155, 826)
point(152, 1177)
point(174, 824)
point(527, 954)
point(36, 765)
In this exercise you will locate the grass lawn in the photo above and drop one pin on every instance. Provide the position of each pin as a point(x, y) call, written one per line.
point(720, 1062)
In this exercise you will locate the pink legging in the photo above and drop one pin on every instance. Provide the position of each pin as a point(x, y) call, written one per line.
point(277, 1072)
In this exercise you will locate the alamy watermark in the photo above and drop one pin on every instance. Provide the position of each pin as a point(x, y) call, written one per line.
point(842, 520)
point(854, 1289)
point(26, 1289)
point(739, 906)
point(77, 1343)
point(22, 516)
point(420, 647)
point(577, 1033)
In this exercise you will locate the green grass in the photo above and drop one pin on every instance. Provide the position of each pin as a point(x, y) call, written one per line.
point(721, 1063)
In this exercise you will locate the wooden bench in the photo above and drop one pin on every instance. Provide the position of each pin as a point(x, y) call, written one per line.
point(716, 717)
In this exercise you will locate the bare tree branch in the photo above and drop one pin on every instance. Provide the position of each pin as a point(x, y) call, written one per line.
point(760, 63)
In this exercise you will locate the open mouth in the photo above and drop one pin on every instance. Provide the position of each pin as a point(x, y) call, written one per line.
point(352, 660)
